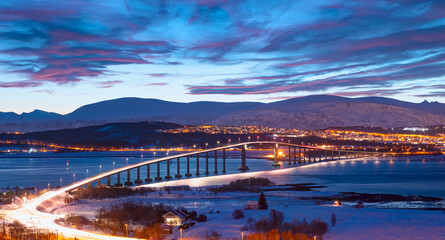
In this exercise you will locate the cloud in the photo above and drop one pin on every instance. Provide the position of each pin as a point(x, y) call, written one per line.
point(227, 47)
point(432, 94)
point(158, 75)
point(109, 84)
point(156, 84)
point(21, 84)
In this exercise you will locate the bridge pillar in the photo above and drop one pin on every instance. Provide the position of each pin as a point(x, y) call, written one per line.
point(224, 161)
point(339, 155)
point(216, 162)
point(275, 156)
point(178, 174)
point(332, 154)
point(197, 164)
point(299, 155)
point(98, 183)
point(138, 180)
point(148, 179)
point(304, 155)
point(118, 183)
point(309, 154)
point(188, 167)
point(320, 155)
point(207, 163)
point(108, 181)
point(128, 182)
point(295, 155)
point(168, 170)
point(243, 166)
point(289, 156)
point(325, 154)
point(158, 176)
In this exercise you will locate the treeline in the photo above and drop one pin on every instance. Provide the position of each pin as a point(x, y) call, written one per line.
point(106, 192)
point(18, 231)
point(115, 219)
point(276, 235)
point(8, 197)
point(276, 226)
point(243, 185)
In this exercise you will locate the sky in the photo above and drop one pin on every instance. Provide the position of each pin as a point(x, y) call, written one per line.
point(59, 55)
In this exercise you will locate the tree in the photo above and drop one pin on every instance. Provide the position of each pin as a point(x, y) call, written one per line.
point(262, 203)
point(276, 218)
point(193, 215)
point(154, 232)
point(333, 219)
point(202, 218)
point(238, 214)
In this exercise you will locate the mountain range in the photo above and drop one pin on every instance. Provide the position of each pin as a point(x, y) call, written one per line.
point(310, 112)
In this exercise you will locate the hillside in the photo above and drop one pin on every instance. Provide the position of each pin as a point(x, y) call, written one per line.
point(311, 112)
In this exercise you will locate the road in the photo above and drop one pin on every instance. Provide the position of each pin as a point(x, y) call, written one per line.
point(30, 216)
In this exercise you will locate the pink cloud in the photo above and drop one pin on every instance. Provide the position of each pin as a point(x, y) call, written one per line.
point(108, 84)
point(156, 84)
point(21, 84)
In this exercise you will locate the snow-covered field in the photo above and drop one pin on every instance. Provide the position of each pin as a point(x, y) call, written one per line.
point(352, 223)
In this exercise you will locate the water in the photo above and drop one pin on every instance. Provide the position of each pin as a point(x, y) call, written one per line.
point(396, 176)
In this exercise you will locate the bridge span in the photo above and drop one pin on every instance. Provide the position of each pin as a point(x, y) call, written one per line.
point(296, 154)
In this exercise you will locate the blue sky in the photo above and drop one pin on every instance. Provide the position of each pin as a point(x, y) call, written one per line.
point(59, 55)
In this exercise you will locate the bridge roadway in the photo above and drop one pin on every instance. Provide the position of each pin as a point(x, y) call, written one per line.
point(305, 154)
point(29, 215)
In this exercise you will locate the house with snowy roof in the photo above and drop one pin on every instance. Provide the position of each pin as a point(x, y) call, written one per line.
point(174, 217)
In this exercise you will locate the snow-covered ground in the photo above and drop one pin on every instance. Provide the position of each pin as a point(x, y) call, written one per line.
point(352, 223)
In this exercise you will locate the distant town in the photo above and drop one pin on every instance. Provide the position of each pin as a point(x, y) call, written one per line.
point(404, 140)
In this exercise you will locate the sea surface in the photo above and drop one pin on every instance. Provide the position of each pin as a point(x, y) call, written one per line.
point(401, 175)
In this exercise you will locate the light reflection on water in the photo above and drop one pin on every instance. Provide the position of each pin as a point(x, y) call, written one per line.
point(413, 176)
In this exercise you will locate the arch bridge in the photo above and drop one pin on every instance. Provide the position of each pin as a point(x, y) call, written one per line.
point(297, 154)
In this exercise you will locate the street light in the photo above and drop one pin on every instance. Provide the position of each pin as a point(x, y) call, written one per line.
point(60, 182)
point(242, 235)
point(74, 177)
point(87, 173)
point(48, 186)
point(126, 160)
point(114, 164)
point(100, 168)
point(126, 229)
